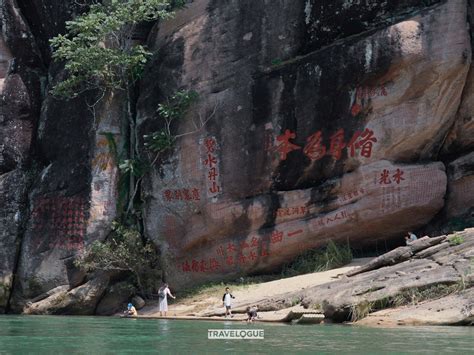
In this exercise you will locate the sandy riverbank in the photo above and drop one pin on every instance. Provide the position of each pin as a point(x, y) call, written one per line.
point(207, 305)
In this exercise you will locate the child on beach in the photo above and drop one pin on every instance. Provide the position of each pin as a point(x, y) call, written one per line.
point(252, 314)
point(227, 302)
point(131, 311)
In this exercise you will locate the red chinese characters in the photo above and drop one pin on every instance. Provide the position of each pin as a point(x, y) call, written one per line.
point(285, 146)
point(352, 194)
point(211, 163)
point(386, 178)
point(60, 222)
point(362, 96)
point(268, 140)
point(292, 211)
point(276, 237)
point(192, 194)
point(314, 149)
point(202, 265)
point(337, 144)
point(240, 253)
point(338, 216)
point(361, 143)
point(295, 233)
point(333, 218)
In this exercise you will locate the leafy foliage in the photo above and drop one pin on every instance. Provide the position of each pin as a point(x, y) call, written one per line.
point(456, 239)
point(134, 167)
point(332, 256)
point(175, 108)
point(123, 251)
point(177, 105)
point(98, 48)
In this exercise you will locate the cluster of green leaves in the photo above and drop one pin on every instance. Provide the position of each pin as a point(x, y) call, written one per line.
point(126, 251)
point(175, 108)
point(159, 141)
point(456, 239)
point(332, 256)
point(98, 48)
point(132, 166)
point(177, 105)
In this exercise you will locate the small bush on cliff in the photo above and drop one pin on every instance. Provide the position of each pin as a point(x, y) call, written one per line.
point(124, 251)
point(174, 109)
point(330, 257)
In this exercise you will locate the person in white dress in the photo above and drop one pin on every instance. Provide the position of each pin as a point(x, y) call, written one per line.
point(163, 293)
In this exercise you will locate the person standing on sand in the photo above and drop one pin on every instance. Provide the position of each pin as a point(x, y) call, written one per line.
point(227, 302)
point(163, 293)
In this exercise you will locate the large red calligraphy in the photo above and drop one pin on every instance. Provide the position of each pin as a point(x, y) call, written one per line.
point(212, 164)
point(315, 149)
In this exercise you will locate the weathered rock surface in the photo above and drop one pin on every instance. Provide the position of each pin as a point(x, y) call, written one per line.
point(138, 302)
point(400, 254)
point(376, 289)
point(73, 202)
point(12, 200)
point(115, 299)
point(455, 309)
point(20, 72)
point(326, 120)
point(80, 301)
point(460, 197)
point(72, 184)
point(259, 183)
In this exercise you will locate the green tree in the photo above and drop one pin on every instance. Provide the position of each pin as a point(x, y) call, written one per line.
point(100, 53)
point(124, 251)
point(98, 49)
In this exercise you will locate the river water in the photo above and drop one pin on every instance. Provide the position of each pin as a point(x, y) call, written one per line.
point(102, 335)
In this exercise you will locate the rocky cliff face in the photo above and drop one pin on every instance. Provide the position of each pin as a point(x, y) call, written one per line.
point(341, 120)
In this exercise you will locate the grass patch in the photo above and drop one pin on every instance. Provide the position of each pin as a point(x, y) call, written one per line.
point(416, 295)
point(410, 296)
point(316, 260)
point(456, 239)
point(362, 310)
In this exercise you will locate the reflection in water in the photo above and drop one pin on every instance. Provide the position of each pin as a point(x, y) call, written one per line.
point(92, 335)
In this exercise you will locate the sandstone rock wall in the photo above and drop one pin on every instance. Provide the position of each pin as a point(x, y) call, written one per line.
point(318, 134)
point(338, 120)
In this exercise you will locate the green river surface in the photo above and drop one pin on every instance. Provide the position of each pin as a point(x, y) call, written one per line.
point(109, 335)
